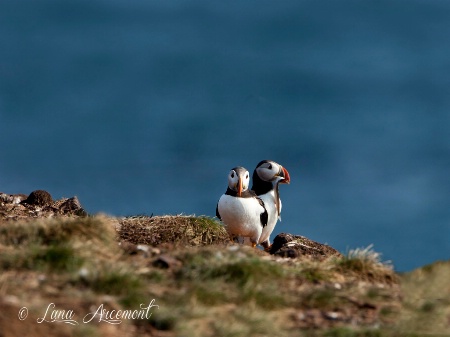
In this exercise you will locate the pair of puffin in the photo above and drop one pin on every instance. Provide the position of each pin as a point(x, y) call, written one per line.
point(252, 213)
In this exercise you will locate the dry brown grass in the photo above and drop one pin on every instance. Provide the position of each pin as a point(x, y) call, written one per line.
point(426, 293)
point(210, 288)
point(365, 264)
point(72, 262)
point(174, 230)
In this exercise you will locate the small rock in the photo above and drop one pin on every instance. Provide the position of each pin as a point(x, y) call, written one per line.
point(332, 315)
point(166, 261)
point(5, 198)
point(296, 246)
point(39, 198)
point(72, 205)
point(133, 249)
point(280, 240)
point(154, 250)
point(12, 198)
point(11, 299)
point(83, 273)
point(128, 247)
point(18, 198)
point(233, 248)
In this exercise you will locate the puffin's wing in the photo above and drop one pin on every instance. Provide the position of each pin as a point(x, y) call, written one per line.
point(217, 211)
point(263, 216)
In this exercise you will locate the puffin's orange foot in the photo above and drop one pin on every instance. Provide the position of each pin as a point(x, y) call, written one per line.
point(253, 244)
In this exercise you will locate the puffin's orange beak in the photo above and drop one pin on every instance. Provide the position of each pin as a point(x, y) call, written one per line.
point(239, 191)
point(287, 177)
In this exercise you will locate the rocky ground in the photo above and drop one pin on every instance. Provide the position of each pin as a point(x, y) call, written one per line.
point(189, 280)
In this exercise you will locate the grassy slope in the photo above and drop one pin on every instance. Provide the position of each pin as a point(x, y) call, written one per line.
point(202, 286)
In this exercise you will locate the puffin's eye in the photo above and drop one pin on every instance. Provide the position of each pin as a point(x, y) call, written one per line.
point(270, 166)
point(246, 176)
point(232, 174)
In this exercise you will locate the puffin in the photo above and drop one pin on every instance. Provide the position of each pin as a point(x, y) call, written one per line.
point(266, 178)
point(243, 213)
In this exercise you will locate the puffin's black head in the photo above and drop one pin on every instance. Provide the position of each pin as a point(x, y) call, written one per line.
point(267, 172)
point(238, 180)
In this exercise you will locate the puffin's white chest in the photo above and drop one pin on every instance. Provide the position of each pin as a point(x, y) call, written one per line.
point(271, 207)
point(241, 216)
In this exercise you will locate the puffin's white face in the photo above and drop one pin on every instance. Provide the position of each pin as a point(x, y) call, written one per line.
point(271, 171)
point(238, 180)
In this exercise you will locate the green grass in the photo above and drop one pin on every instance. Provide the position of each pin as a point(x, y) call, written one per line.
point(115, 283)
point(176, 230)
point(211, 293)
point(245, 271)
point(366, 264)
point(239, 268)
point(324, 298)
point(60, 258)
point(215, 290)
point(426, 307)
point(56, 231)
point(315, 274)
point(163, 319)
point(54, 258)
point(346, 332)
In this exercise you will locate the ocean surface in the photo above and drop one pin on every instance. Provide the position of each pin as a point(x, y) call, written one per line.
point(143, 107)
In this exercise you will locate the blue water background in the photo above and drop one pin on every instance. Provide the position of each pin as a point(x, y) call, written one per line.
point(141, 107)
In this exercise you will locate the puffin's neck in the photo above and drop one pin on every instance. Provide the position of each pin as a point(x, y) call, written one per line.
point(260, 186)
point(245, 194)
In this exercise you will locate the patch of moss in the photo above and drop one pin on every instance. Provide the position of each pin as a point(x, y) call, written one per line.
point(323, 298)
point(128, 287)
point(115, 283)
point(265, 297)
point(163, 319)
point(314, 274)
point(211, 293)
point(242, 272)
point(54, 258)
point(373, 293)
point(61, 258)
point(247, 320)
point(155, 276)
point(346, 332)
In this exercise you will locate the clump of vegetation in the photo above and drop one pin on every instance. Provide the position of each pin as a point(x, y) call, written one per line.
point(242, 270)
point(59, 230)
point(218, 276)
point(315, 272)
point(175, 230)
point(366, 264)
point(56, 244)
point(426, 294)
point(59, 257)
